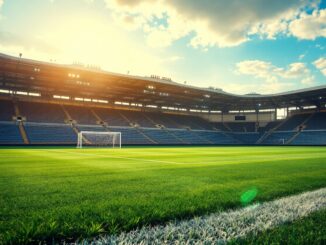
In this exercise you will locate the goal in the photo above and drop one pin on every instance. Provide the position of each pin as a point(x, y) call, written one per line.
point(99, 139)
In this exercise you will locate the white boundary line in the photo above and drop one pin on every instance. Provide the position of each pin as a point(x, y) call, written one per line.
point(222, 227)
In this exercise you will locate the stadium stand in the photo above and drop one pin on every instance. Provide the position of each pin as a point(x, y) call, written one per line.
point(161, 136)
point(10, 134)
point(52, 109)
point(45, 125)
point(317, 121)
point(138, 118)
point(241, 126)
point(246, 138)
point(270, 126)
point(81, 115)
point(111, 117)
point(278, 137)
point(7, 110)
point(132, 136)
point(41, 112)
point(43, 133)
point(311, 137)
point(161, 119)
point(294, 122)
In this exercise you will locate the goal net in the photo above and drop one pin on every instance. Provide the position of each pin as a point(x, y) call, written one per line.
point(99, 139)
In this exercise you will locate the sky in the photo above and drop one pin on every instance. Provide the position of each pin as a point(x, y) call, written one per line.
point(240, 46)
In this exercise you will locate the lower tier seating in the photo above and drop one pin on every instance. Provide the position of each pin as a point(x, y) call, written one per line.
point(247, 138)
point(278, 137)
point(161, 136)
point(131, 136)
point(313, 137)
point(41, 133)
point(9, 133)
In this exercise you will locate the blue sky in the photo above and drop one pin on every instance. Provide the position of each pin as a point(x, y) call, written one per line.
point(240, 46)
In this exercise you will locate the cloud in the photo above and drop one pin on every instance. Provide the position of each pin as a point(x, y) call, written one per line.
point(210, 23)
point(309, 26)
point(272, 74)
point(301, 56)
point(10, 39)
point(173, 58)
point(321, 65)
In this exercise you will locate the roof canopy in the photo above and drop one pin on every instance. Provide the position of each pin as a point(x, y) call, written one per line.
point(49, 79)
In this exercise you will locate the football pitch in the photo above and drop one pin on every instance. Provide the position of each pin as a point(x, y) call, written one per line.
point(64, 194)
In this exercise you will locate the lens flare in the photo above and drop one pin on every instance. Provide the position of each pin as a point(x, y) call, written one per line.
point(248, 196)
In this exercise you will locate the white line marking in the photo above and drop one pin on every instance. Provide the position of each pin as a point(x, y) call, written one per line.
point(222, 227)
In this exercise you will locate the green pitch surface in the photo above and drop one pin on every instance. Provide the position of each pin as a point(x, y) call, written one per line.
point(65, 193)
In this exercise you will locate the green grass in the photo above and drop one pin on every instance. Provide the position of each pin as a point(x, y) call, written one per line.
point(62, 193)
point(309, 230)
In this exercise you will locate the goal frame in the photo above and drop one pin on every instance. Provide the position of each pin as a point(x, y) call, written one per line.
point(81, 138)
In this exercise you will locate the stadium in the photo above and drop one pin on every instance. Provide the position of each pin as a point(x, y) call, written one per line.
point(50, 104)
point(156, 122)
point(186, 137)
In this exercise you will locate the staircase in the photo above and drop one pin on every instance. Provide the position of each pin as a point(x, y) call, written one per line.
point(23, 133)
point(146, 136)
point(176, 137)
point(98, 118)
point(292, 138)
point(66, 113)
point(125, 118)
point(149, 119)
point(21, 125)
point(202, 138)
point(299, 131)
point(227, 126)
point(269, 132)
point(138, 130)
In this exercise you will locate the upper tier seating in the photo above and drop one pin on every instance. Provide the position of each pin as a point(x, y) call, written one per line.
point(41, 112)
point(317, 121)
point(271, 125)
point(81, 115)
point(138, 117)
point(293, 122)
point(163, 119)
point(9, 133)
point(242, 126)
point(192, 122)
point(41, 133)
point(7, 110)
point(111, 117)
point(220, 126)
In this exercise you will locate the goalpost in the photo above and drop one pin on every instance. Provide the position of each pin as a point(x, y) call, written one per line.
point(99, 139)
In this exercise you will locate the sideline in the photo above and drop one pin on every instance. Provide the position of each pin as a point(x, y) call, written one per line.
point(222, 227)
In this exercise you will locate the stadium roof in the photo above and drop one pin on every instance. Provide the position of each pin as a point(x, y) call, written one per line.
point(48, 79)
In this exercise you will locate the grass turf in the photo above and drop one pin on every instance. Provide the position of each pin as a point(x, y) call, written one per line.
point(309, 230)
point(62, 193)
